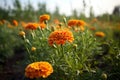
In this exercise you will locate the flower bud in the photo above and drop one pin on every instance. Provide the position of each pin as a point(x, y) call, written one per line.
point(22, 33)
point(33, 49)
point(104, 76)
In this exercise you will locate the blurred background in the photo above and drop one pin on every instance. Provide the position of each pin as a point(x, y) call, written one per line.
point(30, 9)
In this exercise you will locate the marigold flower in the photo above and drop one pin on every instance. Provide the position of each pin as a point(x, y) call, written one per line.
point(38, 69)
point(32, 26)
point(42, 25)
point(72, 22)
point(15, 23)
point(44, 17)
point(60, 37)
point(80, 23)
point(22, 33)
point(99, 34)
point(33, 49)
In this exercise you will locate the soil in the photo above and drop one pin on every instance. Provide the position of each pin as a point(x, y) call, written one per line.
point(12, 68)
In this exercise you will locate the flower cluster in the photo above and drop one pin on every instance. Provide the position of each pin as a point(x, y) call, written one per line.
point(38, 69)
point(60, 37)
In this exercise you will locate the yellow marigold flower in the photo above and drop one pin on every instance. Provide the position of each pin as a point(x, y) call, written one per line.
point(33, 49)
point(99, 34)
point(72, 22)
point(44, 17)
point(32, 26)
point(22, 33)
point(15, 23)
point(38, 69)
point(60, 37)
point(80, 23)
point(42, 25)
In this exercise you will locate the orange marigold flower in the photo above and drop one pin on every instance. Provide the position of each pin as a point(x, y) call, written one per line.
point(99, 34)
point(22, 33)
point(38, 69)
point(72, 22)
point(42, 25)
point(44, 17)
point(80, 23)
point(60, 37)
point(32, 26)
point(15, 23)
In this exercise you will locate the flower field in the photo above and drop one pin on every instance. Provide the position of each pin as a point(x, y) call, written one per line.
point(70, 49)
point(39, 45)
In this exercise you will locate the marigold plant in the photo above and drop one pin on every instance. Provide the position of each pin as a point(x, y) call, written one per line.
point(38, 69)
point(60, 37)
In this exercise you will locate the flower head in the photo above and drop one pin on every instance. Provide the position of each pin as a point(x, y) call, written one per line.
point(72, 22)
point(38, 69)
point(80, 23)
point(15, 23)
point(32, 26)
point(44, 17)
point(60, 37)
point(99, 34)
